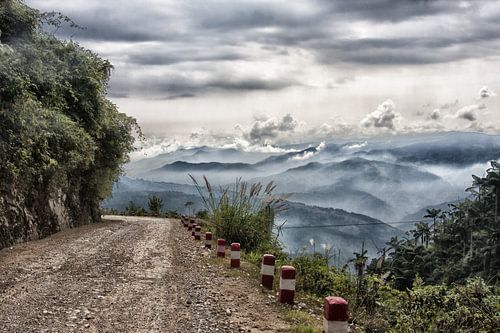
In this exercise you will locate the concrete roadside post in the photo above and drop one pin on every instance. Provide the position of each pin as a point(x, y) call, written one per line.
point(335, 315)
point(287, 284)
point(267, 271)
point(235, 255)
point(221, 248)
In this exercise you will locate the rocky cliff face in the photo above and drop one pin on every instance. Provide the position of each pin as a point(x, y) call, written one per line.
point(41, 213)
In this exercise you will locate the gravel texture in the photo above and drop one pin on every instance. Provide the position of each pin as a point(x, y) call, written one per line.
point(128, 274)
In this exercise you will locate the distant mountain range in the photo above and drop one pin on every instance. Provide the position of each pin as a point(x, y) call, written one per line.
point(334, 227)
point(389, 179)
point(334, 232)
point(456, 149)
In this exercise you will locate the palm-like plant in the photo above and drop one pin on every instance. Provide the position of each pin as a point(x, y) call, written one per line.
point(433, 213)
point(424, 232)
point(188, 206)
point(359, 261)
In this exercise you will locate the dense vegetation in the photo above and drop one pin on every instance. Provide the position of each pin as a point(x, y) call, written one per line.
point(62, 143)
point(243, 213)
point(460, 243)
point(442, 277)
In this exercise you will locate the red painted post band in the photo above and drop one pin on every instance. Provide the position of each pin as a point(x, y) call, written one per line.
point(221, 248)
point(208, 240)
point(335, 315)
point(197, 232)
point(235, 255)
point(287, 284)
point(267, 271)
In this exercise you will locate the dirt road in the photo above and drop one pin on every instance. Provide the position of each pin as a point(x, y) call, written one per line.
point(126, 275)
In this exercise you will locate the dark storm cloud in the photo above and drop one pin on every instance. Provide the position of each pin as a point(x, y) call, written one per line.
point(119, 22)
point(230, 23)
point(170, 57)
point(175, 87)
point(389, 10)
point(208, 33)
point(243, 16)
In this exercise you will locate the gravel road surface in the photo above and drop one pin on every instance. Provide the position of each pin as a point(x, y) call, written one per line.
point(128, 274)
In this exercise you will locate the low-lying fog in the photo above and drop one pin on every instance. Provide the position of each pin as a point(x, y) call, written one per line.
point(388, 180)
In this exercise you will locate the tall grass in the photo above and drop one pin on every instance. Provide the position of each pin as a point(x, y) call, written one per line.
point(242, 212)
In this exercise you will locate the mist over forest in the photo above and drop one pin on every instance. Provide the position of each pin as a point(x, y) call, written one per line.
point(330, 183)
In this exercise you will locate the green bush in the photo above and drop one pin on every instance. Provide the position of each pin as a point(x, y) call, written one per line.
point(133, 209)
point(473, 307)
point(242, 213)
point(315, 276)
point(155, 205)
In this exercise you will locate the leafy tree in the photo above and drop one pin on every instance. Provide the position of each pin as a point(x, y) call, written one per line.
point(155, 205)
point(188, 205)
point(466, 244)
point(433, 213)
point(60, 137)
point(134, 210)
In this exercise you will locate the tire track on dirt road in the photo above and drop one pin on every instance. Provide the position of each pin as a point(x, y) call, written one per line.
point(128, 274)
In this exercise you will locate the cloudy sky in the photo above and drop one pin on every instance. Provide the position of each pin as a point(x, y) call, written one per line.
point(253, 72)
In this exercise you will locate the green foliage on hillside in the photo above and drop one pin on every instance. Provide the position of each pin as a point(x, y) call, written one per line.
point(57, 129)
point(461, 243)
point(442, 278)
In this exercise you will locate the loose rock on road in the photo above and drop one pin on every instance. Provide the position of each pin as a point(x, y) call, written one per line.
point(128, 274)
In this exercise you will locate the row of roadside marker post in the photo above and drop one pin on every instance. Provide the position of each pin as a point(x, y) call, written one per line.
point(335, 309)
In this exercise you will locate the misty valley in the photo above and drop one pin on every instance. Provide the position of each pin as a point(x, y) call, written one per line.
point(342, 194)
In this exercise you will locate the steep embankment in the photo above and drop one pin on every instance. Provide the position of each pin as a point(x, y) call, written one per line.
point(61, 141)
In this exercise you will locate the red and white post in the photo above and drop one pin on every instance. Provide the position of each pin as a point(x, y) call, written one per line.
point(267, 271)
point(235, 255)
point(208, 240)
point(287, 284)
point(190, 224)
point(335, 315)
point(193, 229)
point(221, 248)
point(197, 232)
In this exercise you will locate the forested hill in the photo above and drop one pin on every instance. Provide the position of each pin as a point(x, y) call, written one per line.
point(62, 143)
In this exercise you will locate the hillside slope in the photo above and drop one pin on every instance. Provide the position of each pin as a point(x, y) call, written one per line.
point(339, 229)
point(62, 143)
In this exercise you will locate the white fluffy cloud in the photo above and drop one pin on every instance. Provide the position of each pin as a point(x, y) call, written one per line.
point(326, 131)
point(485, 92)
point(263, 130)
point(308, 154)
point(469, 112)
point(384, 117)
point(435, 114)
